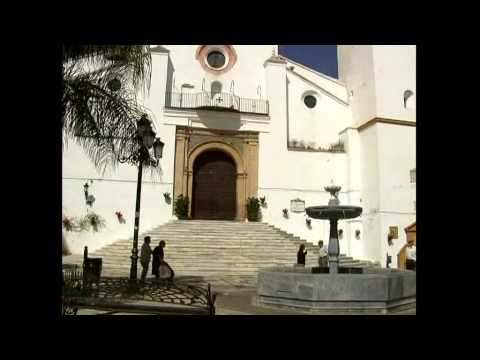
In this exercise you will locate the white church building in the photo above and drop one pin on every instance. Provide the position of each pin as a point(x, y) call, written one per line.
point(242, 121)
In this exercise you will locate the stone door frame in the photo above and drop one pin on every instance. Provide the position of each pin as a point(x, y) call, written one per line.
point(242, 147)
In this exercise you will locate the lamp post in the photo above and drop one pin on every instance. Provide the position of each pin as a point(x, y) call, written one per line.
point(146, 140)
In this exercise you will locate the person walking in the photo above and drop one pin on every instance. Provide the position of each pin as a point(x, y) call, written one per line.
point(322, 255)
point(145, 255)
point(160, 268)
point(301, 255)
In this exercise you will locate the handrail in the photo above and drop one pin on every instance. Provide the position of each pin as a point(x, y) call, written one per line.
point(216, 101)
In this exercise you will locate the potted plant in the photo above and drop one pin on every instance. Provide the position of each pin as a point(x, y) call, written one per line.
point(120, 217)
point(263, 202)
point(181, 207)
point(90, 200)
point(309, 223)
point(253, 209)
point(68, 223)
point(285, 213)
point(95, 221)
point(167, 197)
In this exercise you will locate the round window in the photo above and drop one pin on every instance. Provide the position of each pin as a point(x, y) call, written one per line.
point(310, 101)
point(216, 59)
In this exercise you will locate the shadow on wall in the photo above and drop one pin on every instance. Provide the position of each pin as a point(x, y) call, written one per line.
point(231, 121)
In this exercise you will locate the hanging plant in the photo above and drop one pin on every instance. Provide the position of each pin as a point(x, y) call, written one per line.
point(68, 223)
point(285, 213)
point(309, 223)
point(120, 217)
point(263, 202)
point(167, 197)
point(93, 220)
point(90, 200)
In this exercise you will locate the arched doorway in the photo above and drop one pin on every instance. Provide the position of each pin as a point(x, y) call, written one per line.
point(214, 186)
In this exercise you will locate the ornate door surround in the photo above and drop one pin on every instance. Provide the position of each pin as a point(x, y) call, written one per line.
point(242, 147)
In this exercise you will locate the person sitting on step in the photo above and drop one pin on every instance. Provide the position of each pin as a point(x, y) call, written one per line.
point(301, 254)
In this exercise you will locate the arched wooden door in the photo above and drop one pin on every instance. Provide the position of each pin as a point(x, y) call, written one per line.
point(214, 187)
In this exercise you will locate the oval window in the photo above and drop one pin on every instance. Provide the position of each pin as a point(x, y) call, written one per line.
point(216, 59)
point(310, 101)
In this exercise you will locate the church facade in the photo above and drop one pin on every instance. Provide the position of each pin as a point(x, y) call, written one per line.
point(241, 121)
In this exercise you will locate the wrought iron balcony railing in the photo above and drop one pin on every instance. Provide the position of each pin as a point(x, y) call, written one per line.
point(216, 101)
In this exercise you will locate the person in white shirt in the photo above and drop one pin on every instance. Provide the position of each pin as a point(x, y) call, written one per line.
point(322, 255)
point(411, 251)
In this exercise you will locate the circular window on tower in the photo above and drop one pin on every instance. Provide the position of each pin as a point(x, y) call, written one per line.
point(310, 99)
point(216, 59)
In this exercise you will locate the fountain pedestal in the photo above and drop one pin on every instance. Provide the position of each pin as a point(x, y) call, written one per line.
point(333, 247)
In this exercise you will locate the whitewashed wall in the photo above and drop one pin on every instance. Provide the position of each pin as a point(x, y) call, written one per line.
point(395, 72)
point(247, 73)
point(356, 70)
point(318, 126)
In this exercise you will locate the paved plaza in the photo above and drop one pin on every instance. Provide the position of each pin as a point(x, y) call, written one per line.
point(235, 296)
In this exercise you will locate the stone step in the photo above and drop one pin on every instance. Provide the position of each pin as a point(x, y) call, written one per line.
point(210, 248)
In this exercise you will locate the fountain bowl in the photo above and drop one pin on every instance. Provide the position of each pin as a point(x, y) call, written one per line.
point(366, 291)
point(333, 212)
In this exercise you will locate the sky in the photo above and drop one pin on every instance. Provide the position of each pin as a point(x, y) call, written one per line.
point(322, 58)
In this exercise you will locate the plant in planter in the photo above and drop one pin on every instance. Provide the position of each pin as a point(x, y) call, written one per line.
point(253, 209)
point(120, 217)
point(90, 200)
point(68, 223)
point(94, 220)
point(263, 202)
point(181, 207)
point(167, 197)
point(285, 213)
point(309, 223)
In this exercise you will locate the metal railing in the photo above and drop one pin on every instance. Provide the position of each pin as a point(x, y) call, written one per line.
point(216, 101)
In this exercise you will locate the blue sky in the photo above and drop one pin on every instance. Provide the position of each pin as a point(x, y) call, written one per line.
point(322, 58)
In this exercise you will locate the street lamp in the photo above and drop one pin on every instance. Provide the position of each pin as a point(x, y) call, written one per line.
point(146, 140)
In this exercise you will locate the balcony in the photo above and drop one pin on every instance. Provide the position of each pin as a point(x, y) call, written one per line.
point(216, 102)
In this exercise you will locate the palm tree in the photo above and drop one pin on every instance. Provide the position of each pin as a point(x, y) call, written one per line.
point(99, 100)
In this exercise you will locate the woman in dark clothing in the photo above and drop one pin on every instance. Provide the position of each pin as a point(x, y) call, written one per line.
point(302, 253)
point(158, 262)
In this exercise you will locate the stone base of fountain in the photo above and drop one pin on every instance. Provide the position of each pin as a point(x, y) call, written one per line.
point(373, 291)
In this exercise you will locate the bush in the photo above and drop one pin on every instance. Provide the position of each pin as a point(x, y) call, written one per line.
point(181, 207)
point(253, 209)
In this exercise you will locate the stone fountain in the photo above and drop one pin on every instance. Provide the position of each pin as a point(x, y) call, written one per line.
point(333, 212)
point(335, 289)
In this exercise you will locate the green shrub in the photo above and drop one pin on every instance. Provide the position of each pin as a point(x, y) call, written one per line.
point(181, 207)
point(253, 209)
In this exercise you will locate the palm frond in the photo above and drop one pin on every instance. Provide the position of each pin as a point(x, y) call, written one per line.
point(100, 120)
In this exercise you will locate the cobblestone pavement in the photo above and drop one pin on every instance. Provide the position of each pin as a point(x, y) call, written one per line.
point(235, 296)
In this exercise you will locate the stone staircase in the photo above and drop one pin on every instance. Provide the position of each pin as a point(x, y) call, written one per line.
point(210, 248)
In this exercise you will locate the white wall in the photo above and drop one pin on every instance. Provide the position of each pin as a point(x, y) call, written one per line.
point(328, 83)
point(397, 149)
point(247, 73)
point(319, 125)
point(356, 70)
point(395, 72)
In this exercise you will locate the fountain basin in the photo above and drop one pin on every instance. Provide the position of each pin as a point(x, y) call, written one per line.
point(374, 291)
point(333, 212)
